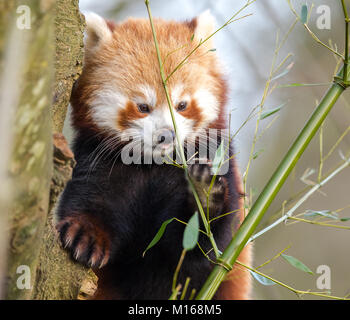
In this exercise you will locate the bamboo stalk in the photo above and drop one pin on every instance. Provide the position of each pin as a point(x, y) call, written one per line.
point(346, 62)
point(270, 191)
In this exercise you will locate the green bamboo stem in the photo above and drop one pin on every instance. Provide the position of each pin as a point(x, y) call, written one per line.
point(347, 20)
point(275, 183)
point(270, 191)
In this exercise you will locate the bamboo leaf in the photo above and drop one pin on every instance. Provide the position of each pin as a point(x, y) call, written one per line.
point(296, 263)
point(303, 16)
point(284, 72)
point(324, 213)
point(191, 233)
point(263, 280)
point(256, 154)
point(158, 236)
point(303, 85)
point(270, 112)
point(296, 84)
point(219, 157)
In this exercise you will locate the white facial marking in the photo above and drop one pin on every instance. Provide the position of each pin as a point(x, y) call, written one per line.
point(208, 104)
point(149, 95)
point(159, 119)
point(105, 108)
point(176, 94)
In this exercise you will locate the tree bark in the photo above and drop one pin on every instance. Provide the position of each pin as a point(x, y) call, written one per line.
point(53, 43)
point(57, 276)
point(5, 145)
point(69, 28)
point(31, 161)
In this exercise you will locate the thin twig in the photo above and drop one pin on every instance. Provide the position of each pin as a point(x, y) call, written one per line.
point(184, 291)
point(273, 258)
point(320, 223)
point(296, 291)
point(177, 270)
point(312, 34)
point(347, 130)
point(321, 155)
point(261, 106)
point(180, 147)
point(202, 41)
point(301, 201)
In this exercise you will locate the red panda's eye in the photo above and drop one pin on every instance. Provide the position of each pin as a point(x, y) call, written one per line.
point(144, 108)
point(181, 106)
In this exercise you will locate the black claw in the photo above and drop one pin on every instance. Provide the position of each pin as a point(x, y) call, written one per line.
point(100, 258)
point(86, 254)
point(63, 231)
point(77, 239)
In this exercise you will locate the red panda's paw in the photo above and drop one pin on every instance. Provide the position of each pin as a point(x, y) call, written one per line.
point(202, 176)
point(86, 241)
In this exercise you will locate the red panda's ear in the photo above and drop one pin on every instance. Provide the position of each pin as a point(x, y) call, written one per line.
point(97, 30)
point(204, 26)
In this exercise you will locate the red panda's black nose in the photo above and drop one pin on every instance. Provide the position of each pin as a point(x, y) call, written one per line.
point(166, 136)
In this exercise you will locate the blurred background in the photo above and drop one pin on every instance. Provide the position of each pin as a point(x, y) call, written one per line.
point(247, 48)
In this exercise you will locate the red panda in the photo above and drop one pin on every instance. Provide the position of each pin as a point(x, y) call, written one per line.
point(111, 210)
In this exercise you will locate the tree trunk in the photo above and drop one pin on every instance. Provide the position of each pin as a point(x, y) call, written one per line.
point(57, 276)
point(38, 178)
point(6, 117)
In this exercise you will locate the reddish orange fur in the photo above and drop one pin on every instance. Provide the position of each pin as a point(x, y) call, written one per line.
point(193, 112)
point(91, 228)
point(132, 45)
point(128, 114)
point(237, 284)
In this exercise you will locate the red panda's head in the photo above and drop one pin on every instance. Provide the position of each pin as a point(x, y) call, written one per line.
point(120, 91)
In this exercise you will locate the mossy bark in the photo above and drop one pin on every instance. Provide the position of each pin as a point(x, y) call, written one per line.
point(52, 61)
point(57, 276)
point(5, 143)
point(69, 28)
point(31, 162)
